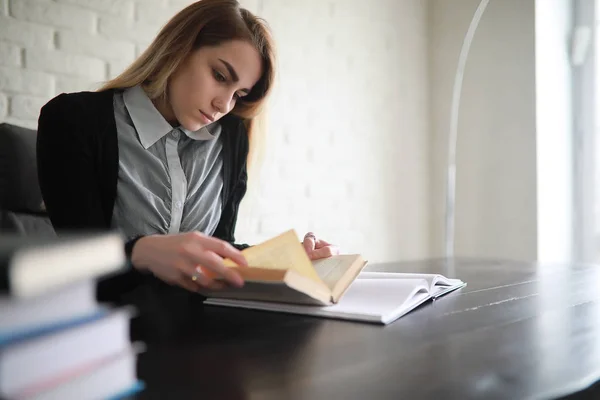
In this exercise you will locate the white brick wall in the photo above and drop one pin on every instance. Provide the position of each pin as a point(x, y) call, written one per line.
point(54, 14)
point(10, 54)
point(347, 153)
point(61, 62)
point(26, 34)
point(23, 81)
point(3, 105)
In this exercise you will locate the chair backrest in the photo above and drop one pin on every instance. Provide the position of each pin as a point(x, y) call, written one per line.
point(19, 187)
point(22, 209)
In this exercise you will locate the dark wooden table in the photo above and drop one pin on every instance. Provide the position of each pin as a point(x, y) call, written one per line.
point(517, 331)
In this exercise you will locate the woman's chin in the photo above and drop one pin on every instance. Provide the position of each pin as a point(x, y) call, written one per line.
point(192, 125)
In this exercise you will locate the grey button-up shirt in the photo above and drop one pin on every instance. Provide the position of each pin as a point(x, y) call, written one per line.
point(169, 178)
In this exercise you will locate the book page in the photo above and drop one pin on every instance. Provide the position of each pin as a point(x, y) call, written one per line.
point(378, 297)
point(433, 280)
point(282, 252)
point(430, 278)
point(371, 300)
point(331, 269)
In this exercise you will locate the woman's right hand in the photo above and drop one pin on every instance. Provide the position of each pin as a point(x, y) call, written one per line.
point(176, 259)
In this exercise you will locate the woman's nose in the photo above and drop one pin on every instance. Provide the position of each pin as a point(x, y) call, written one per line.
point(223, 104)
point(218, 105)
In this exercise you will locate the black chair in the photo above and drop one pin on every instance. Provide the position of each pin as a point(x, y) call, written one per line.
point(22, 208)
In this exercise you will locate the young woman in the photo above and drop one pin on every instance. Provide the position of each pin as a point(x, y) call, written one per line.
point(160, 151)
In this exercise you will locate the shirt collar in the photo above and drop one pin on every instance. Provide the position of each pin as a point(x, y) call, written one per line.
point(207, 132)
point(151, 126)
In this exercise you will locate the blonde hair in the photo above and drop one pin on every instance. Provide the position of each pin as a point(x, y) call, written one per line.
point(205, 23)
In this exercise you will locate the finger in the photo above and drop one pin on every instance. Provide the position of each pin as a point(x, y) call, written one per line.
point(225, 250)
point(201, 279)
point(217, 285)
point(186, 283)
point(323, 252)
point(212, 261)
point(321, 243)
point(309, 242)
point(210, 264)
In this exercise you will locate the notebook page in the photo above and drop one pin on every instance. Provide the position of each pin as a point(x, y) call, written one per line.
point(378, 298)
point(433, 280)
point(440, 290)
point(429, 278)
point(371, 300)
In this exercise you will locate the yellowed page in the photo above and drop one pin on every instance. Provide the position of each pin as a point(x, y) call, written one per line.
point(282, 252)
point(332, 269)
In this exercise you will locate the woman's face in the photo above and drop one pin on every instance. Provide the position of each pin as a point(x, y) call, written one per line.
point(210, 81)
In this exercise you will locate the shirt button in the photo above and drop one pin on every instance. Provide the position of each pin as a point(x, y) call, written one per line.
point(178, 205)
point(175, 134)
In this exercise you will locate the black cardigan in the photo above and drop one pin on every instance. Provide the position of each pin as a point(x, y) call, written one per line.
point(78, 159)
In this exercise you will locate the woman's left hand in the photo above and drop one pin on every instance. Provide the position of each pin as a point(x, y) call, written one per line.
point(318, 248)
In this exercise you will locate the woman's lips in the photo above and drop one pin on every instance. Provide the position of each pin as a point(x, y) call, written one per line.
point(206, 118)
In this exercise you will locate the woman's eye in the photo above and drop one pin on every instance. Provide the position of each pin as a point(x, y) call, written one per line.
point(218, 76)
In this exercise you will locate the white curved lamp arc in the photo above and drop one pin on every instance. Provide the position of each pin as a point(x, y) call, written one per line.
point(453, 133)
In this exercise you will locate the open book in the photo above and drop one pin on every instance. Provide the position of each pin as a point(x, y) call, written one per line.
point(279, 270)
point(376, 297)
point(281, 277)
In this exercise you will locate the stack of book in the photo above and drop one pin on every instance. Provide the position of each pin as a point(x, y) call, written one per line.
point(56, 340)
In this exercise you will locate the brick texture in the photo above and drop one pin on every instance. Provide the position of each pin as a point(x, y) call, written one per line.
point(346, 123)
point(95, 46)
point(26, 34)
point(26, 107)
point(57, 15)
point(3, 106)
point(10, 54)
point(122, 8)
point(14, 80)
point(59, 62)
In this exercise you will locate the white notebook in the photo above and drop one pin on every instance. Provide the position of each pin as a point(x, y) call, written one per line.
point(376, 297)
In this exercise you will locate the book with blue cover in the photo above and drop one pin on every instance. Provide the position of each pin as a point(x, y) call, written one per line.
point(113, 378)
point(58, 309)
point(42, 360)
